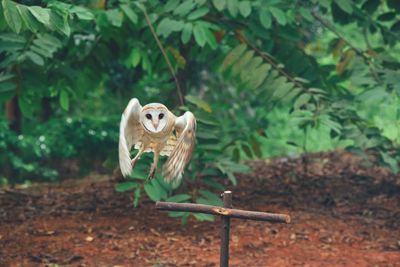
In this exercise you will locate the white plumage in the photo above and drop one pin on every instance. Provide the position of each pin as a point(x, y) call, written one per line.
point(153, 128)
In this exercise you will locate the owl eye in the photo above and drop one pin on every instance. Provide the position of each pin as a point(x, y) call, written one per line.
point(148, 116)
point(160, 116)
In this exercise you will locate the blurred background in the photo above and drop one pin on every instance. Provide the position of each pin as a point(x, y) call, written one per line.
point(263, 78)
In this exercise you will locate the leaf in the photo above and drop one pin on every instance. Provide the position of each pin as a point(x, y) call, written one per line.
point(25, 106)
point(167, 26)
point(184, 8)
point(198, 13)
point(210, 38)
point(204, 217)
point(114, 17)
point(279, 15)
point(179, 198)
point(155, 191)
point(199, 103)
point(245, 8)
point(233, 55)
point(202, 119)
point(302, 100)
point(213, 183)
point(152, 192)
point(161, 190)
point(29, 20)
point(6, 76)
point(232, 178)
point(208, 135)
point(345, 5)
point(212, 198)
point(265, 18)
point(247, 150)
point(139, 173)
point(259, 75)
point(199, 35)
point(41, 14)
point(171, 5)
point(129, 13)
point(233, 7)
point(305, 13)
point(242, 62)
point(126, 186)
point(186, 33)
point(371, 5)
point(219, 4)
point(64, 100)
point(82, 13)
point(13, 38)
point(11, 15)
point(390, 161)
point(7, 87)
point(282, 88)
point(134, 57)
point(175, 214)
point(35, 58)
point(180, 60)
point(255, 62)
point(388, 16)
point(60, 23)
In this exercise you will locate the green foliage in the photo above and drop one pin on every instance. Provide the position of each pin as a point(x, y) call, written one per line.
point(34, 155)
point(262, 78)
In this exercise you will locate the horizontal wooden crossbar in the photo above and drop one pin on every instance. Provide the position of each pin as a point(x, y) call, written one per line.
point(215, 210)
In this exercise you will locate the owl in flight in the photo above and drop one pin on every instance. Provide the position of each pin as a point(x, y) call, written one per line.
point(153, 128)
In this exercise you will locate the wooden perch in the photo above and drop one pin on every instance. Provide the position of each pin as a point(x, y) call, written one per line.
point(215, 210)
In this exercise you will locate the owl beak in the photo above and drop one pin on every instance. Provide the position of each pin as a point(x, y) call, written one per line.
point(156, 123)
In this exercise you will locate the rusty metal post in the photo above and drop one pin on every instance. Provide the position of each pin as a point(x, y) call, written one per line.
point(226, 221)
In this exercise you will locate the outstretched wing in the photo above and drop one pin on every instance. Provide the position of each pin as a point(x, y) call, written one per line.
point(130, 133)
point(185, 127)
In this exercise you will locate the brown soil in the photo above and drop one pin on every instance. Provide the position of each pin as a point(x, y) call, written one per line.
point(343, 214)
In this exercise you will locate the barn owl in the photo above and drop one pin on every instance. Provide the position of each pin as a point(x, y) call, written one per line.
point(153, 128)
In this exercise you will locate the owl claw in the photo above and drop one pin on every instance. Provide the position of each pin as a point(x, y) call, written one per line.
point(133, 163)
point(152, 172)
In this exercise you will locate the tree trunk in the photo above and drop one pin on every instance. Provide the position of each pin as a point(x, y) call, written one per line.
point(13, 114)
point(47, 111)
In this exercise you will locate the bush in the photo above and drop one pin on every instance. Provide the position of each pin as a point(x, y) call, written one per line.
point(34, 155)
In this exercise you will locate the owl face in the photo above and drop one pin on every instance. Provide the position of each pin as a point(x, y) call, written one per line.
point(154, 117)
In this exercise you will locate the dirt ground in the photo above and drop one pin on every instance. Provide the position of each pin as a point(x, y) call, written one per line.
point(344, 213)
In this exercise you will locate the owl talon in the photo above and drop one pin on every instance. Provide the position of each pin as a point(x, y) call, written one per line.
point(133, 163)
point(152, 172)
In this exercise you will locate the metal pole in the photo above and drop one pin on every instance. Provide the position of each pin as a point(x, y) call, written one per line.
point(226, 221)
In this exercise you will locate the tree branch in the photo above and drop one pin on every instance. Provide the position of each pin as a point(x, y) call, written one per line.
point(275, 65)
point(360, 53)
point(171, 69)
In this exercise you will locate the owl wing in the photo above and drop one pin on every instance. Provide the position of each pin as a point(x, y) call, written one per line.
point(130, 133)
point(185, 127)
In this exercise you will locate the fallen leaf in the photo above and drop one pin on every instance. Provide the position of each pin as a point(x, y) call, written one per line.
point(89, 238)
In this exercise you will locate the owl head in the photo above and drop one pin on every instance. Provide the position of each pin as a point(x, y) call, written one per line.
point(154, 117)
